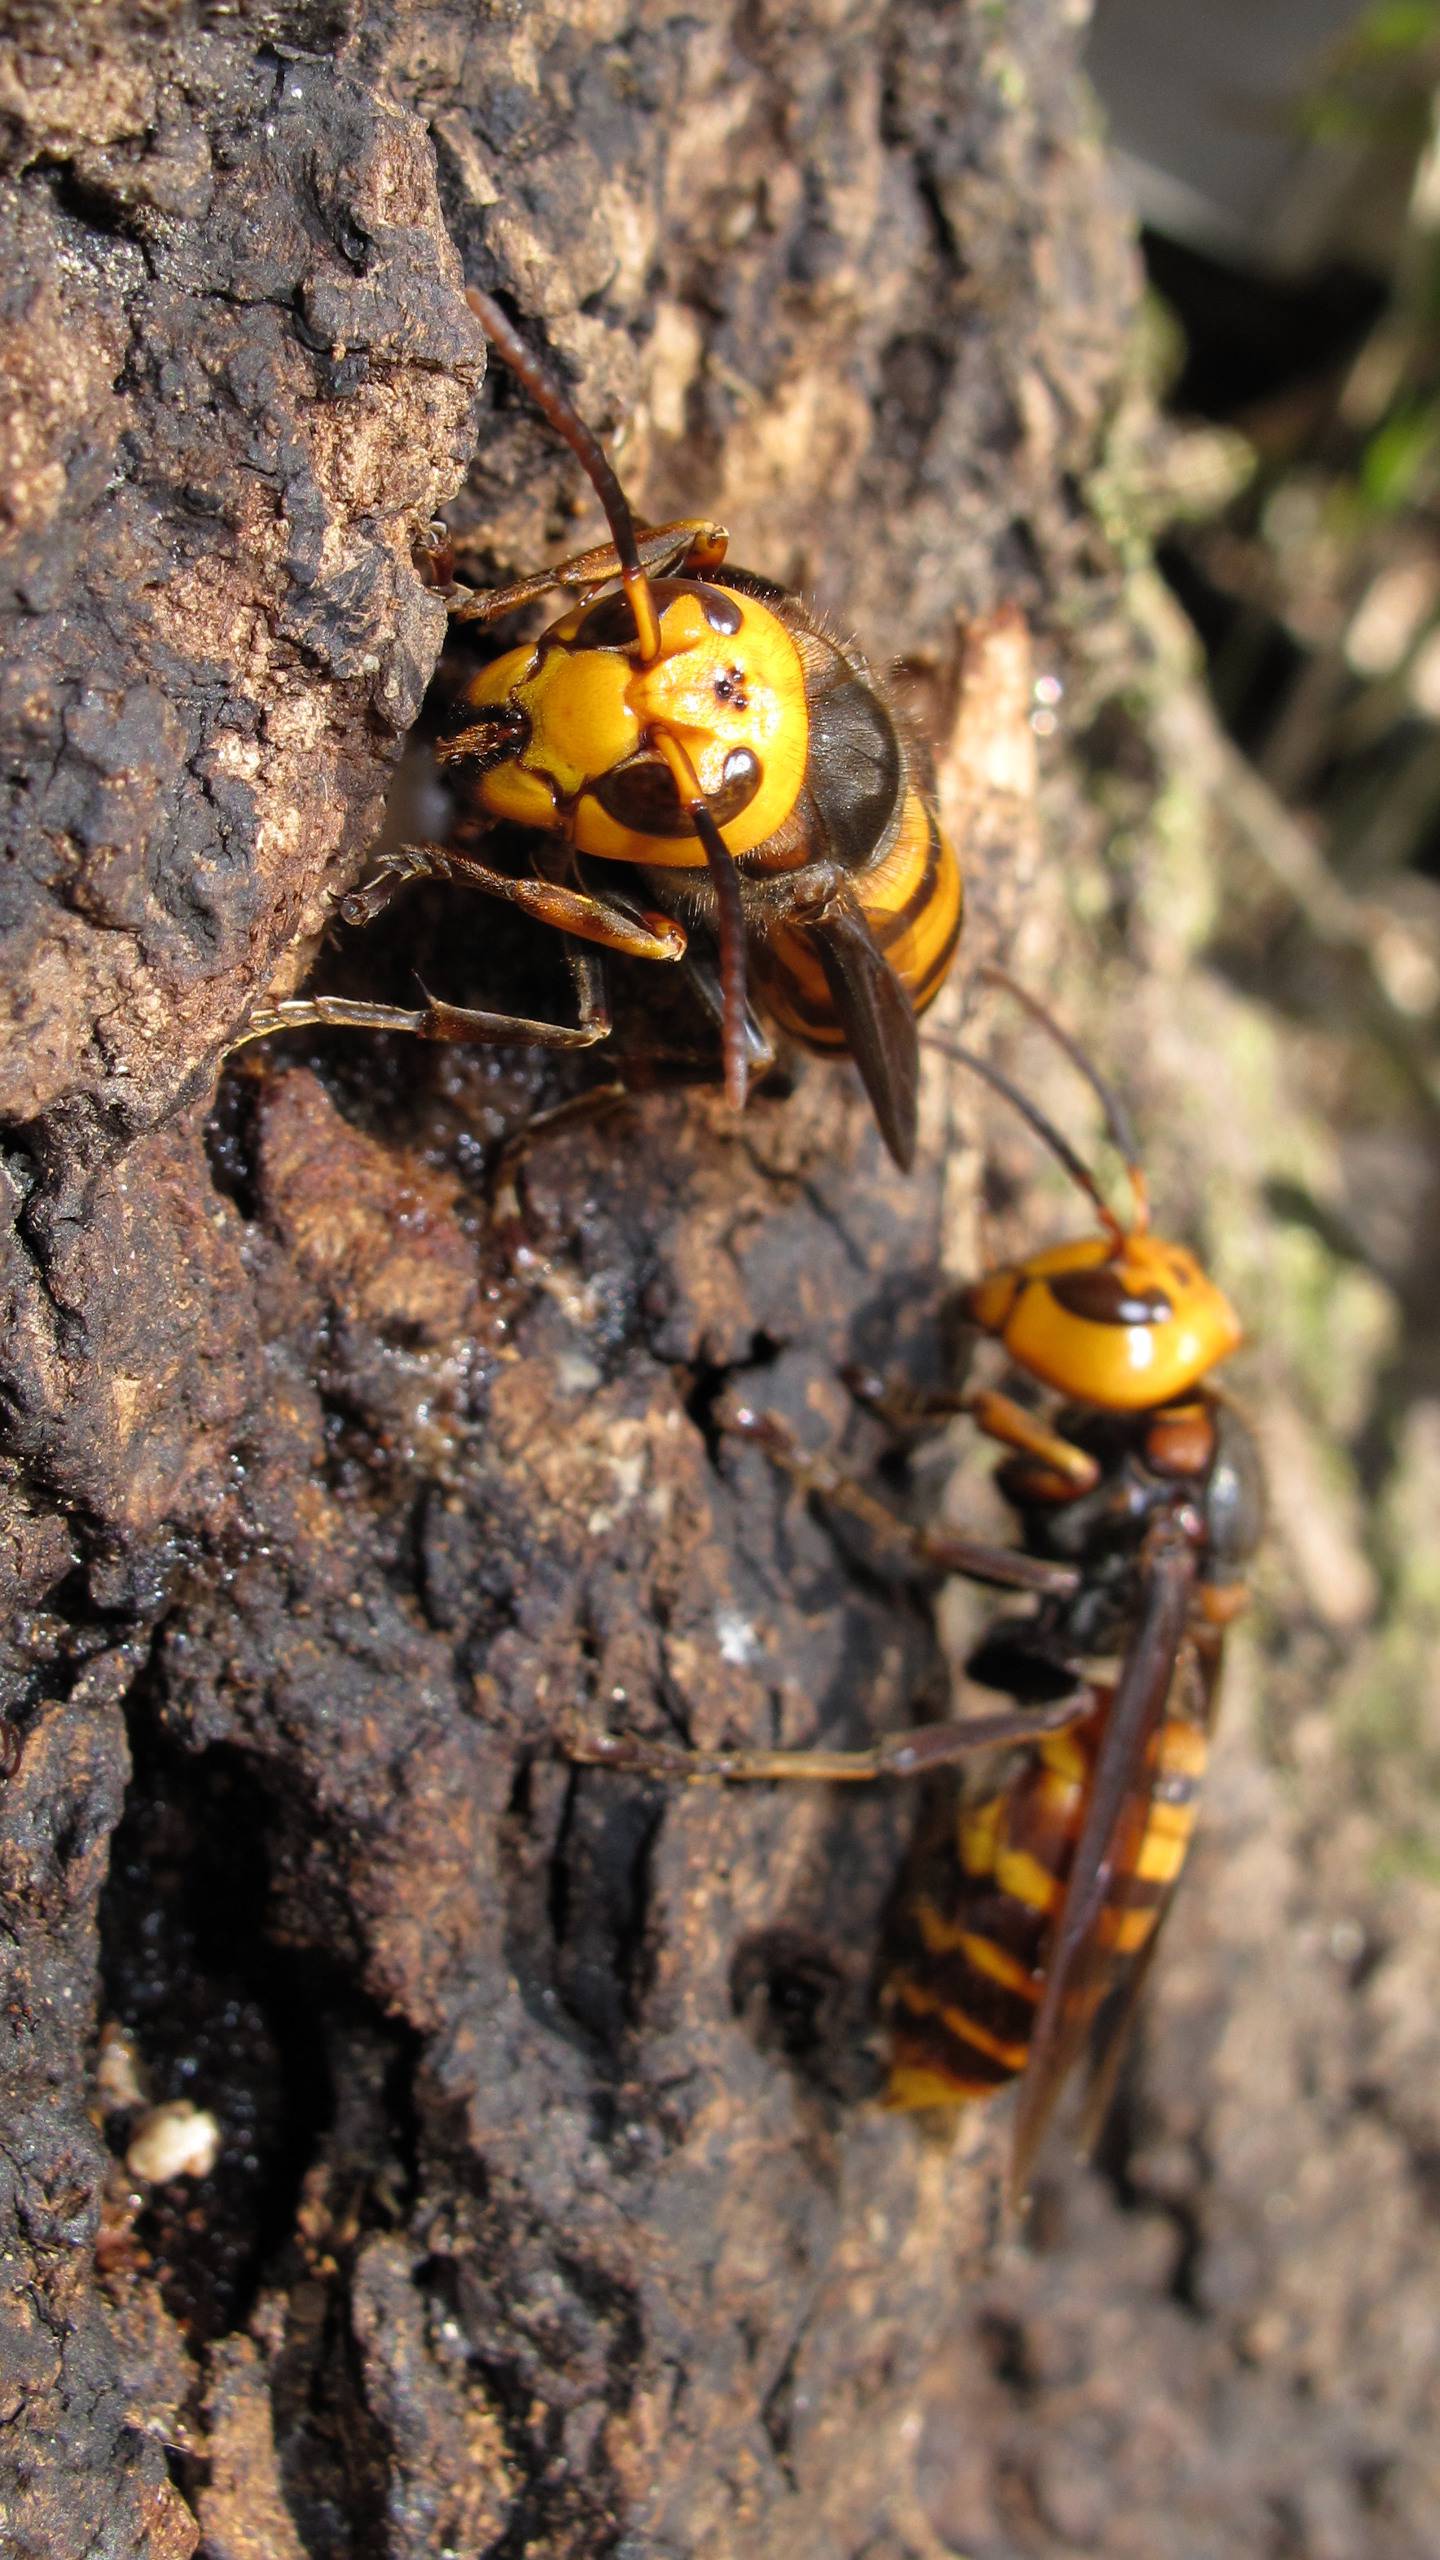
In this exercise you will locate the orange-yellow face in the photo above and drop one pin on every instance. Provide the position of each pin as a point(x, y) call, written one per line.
point(728, 684)
point(1121, 1329)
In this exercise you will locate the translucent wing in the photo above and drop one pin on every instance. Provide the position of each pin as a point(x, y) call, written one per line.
point(1081, 1960)
point(877, 1017)
point(1198, 1670)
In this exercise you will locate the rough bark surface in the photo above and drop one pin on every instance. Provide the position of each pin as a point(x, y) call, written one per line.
point(352, 1461)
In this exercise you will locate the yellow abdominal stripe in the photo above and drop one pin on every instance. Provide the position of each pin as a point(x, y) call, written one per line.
point(1026, 1880)
point(797, 991)
point(1065, 1757)
point(1166, 1840)
point(920, 2003)
point(1183, 1750)
point(943, 1937)
point(918, 2084)
point(979, 1836)
point(997, 1963)
point(926, 2072)
point(912, 901)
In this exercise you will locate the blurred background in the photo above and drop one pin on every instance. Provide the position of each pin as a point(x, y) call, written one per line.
point(1285, 165)
point(1266, 780)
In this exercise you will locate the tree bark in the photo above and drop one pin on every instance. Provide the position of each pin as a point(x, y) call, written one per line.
point(353, 1461)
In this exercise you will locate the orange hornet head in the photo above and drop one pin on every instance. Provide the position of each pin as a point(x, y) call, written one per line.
point(727, 683)
point(1121, 1323)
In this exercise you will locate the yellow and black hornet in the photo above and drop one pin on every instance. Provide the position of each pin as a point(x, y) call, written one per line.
point(693, 751)
point(1026, 1935)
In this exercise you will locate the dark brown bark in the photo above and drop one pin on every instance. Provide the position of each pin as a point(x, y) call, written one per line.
point(351, 1466)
